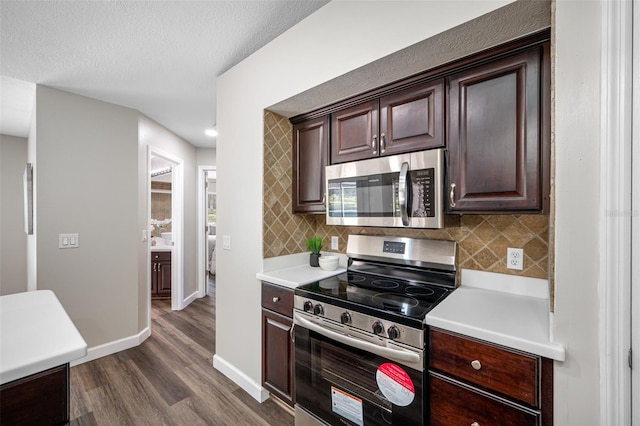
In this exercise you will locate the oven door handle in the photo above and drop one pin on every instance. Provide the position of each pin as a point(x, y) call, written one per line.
point(403, 194)
point(383, 351)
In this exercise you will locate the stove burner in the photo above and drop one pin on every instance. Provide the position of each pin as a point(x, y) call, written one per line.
point(395, 302)
point(355, 278)
point(384, 284)
point(415, 290)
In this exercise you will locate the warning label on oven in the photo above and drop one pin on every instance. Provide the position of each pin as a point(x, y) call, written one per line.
point(347, 406)
point(395, 384)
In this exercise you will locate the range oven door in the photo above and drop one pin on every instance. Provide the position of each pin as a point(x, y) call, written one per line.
point(346, 385)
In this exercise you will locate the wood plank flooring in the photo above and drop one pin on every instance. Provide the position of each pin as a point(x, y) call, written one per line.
point(168, 380)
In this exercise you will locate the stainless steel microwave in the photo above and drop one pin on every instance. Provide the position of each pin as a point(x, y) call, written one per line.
point(402, 191)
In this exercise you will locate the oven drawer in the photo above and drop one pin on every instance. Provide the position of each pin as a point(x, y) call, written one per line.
point(454, 403)
point(277, 298)
point(511, 373)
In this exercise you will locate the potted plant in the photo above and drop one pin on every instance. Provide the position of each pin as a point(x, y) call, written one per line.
point(314, 244)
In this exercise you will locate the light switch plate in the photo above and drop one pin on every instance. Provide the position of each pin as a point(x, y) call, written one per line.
point(66, 241)
point(226, 242)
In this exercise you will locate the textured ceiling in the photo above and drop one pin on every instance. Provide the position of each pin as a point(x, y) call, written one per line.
point(158, 57)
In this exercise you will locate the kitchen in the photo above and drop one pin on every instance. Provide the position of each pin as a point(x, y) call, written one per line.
point(241, 121)
point(577, 381)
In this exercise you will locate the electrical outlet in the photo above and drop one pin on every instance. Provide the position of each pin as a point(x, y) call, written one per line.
point(515, 258)
point(226, 242)
point(334, 243)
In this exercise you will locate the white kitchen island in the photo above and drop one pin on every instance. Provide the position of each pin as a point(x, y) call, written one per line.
point(37, 342)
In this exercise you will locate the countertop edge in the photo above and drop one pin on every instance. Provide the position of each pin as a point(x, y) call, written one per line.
point(22, 372)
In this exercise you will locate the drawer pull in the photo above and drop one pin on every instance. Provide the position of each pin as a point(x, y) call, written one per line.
point(476, 366)
point(275, 299)
point(475, 424)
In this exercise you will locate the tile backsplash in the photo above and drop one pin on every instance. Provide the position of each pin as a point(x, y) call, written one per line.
point(482, 239)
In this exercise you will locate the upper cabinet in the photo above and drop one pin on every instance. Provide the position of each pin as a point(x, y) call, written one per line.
point(498, 138)
point(310, 156)
point(411, 119)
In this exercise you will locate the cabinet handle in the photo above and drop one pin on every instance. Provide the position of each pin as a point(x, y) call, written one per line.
point(476, 364)
point(374, 144)
point(382, 143)
point(154, 266)
point(291, 332)
point(275, 299)
point(324, 199)
point(475, 424)
point(452, 202)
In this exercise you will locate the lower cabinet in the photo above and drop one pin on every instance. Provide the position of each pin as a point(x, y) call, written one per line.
point(479, 383)
point(39, 399)
point(161, 274)
point(277, 342)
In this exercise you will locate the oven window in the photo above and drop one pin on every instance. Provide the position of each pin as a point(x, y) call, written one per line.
point(342, 385)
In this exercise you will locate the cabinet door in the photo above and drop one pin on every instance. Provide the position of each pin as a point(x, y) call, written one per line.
point(163, 287)
point(277, 355)
point(495, 139)
point(412, 119)
point(310, 156)
point(354, 133)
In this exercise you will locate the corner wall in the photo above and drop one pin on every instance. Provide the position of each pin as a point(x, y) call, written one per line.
point(13, 239)
point(86, 163)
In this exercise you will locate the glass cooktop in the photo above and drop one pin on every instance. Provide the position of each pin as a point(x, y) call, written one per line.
point(377, 295)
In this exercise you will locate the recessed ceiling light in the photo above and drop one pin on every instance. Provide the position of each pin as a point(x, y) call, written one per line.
point(212, 132)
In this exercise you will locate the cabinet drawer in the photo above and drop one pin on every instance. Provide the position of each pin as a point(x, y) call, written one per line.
point(452, 404)
point(513, 374)
point(160, 255)
point(277, 298)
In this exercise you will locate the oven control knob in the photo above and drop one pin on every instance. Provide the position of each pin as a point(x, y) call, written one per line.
point(345, 317)
point(377, 327)
point(318, 309)
point(307, 306)
point(393, 332)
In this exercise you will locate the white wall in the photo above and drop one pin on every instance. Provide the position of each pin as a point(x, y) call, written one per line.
point(86, 182)
point(304, 57)
point(13, 239)
point(206, 156)
point(578, 209)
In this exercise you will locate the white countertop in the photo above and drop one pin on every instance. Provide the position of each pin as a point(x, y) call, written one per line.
point(294, 270)
point(35, 334)
point(161, 247)
point(502, 309)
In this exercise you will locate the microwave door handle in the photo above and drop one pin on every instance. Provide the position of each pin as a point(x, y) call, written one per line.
point(392, 354)
point(403, 198)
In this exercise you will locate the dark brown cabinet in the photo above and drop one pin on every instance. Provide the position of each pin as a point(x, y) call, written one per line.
point(473, 381)
point(310, 156)
point(407, 120)
point(498, 138)
point(277, 342)
point(160, 274)
point(39, 399)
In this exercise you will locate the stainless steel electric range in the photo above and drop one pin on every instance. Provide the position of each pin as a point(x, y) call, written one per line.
point(360, 355)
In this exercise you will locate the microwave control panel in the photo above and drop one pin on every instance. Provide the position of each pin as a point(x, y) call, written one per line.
point(422, 182)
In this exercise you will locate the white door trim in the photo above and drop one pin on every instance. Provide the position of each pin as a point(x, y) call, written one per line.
point(615, 222)
point(202, 222)
point(635, 217)
point(177, 227)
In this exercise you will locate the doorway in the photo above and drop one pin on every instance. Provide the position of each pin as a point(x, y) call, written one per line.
point(165, 202)
point(207, 236)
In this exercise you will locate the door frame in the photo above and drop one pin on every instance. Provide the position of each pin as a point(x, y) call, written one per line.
point(177, 227)
point(618, 190)
point(202, 223)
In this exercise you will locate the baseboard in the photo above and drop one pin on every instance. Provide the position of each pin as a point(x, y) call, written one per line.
point(113, 347)
point(256, 391)
point(189, 299)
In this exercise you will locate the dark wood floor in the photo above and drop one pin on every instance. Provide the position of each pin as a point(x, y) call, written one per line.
point(168, 380)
